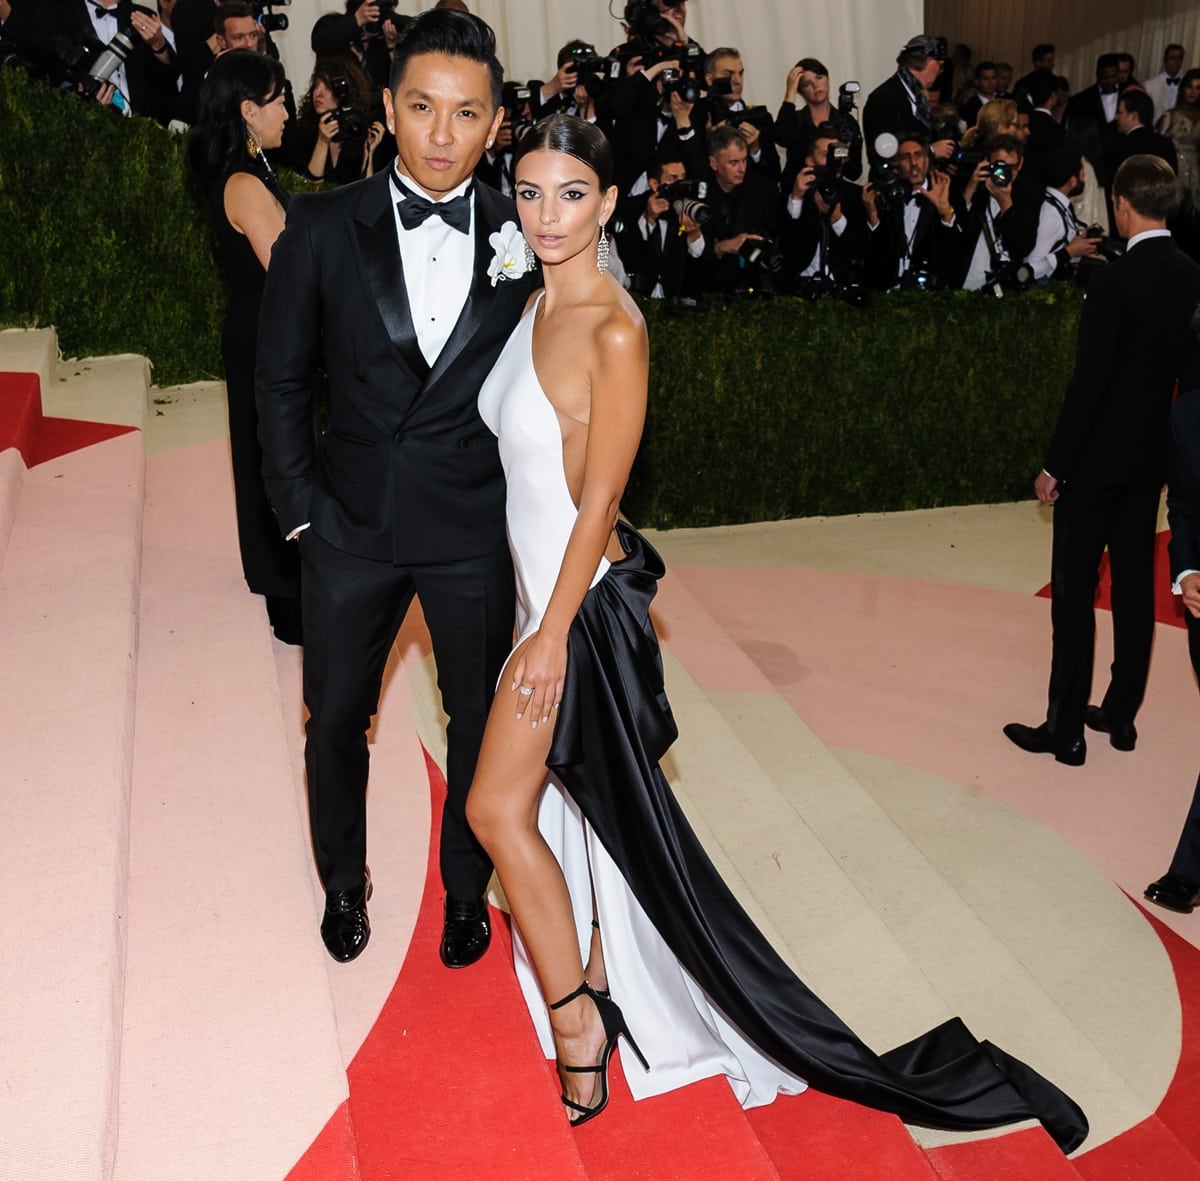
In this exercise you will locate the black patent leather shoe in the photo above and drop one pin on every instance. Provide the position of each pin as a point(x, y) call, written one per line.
point(466, 933)
point(345, 928)
point(1040, 741)
point(1123, 737)
point(1175, 892)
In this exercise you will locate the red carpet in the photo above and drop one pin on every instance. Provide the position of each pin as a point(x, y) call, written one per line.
point(1167, 607)
point(40, 439)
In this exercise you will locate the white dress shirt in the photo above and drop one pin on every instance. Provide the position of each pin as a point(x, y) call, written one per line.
point(981, 260)
point(439, 264)
point(1164, 96)
point(1056, 229)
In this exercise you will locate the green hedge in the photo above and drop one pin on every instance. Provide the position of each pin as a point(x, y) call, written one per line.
point(758, 410)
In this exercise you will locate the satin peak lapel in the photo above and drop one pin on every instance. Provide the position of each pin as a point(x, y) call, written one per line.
point(379, 251)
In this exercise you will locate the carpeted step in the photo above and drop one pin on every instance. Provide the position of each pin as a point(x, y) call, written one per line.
point(812, 1137)
point(68, 631)
point(20, 426)
point(1028, 1152)
point(223, 952)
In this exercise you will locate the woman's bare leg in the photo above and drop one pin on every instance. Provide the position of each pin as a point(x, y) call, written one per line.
point(502, 811)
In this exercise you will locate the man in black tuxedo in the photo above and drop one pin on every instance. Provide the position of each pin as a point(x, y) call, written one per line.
point(1179, 888)
point(1107, 463)
point(1091, 119)
point(1046, 133)
point(659, 248)
point(986, 80)
point(146, 81)
point(403, 494)
point(914, 242)
point(1135, 132)
point(899, 106)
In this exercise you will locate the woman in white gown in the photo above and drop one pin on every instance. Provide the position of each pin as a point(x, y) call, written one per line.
point(597, 848)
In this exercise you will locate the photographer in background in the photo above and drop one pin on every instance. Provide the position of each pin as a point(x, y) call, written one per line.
point(999, 225)
point(368, 30)
point(1060, 242)
point(234, 27)
point(725, 76)
point(335, 126)
point(912, 222)
point(825, 232)
point(661, 246)
point(899, 105)
point(578, 87)
point(741, 251)
point(795, 127)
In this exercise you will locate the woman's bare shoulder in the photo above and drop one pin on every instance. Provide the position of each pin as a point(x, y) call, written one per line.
point(620, 324)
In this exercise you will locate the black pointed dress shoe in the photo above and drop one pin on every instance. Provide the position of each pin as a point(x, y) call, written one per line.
point(345, 928)
point(1040, 741)
point(466, 932)
point(1175, 892)
point(1123, 737)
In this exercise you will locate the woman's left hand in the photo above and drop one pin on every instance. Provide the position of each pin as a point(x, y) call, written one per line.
point(539, 669)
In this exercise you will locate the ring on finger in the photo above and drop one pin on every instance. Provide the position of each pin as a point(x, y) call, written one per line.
point(526, 691)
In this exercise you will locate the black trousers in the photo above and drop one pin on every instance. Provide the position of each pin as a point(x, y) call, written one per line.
point(1085, 522)
point(353, 607)
point(1187, 853)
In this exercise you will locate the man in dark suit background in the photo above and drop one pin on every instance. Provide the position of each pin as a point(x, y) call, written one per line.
point(1135, 132)
point(899, 106)
point(1090, 118)
point(403, 495)
point(1107, 463)
point(1045, 131)
point(1179, 888)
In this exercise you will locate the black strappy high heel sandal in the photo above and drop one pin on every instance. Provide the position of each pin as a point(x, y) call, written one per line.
point(614, 1027)
point(604, 992)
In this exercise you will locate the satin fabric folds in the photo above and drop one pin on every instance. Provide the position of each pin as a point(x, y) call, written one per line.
point(615, 725)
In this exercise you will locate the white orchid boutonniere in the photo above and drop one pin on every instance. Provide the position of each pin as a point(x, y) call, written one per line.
point(512, 254)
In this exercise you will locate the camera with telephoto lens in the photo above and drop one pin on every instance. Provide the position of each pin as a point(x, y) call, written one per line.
point(947, 128)
point(273, 22)
point(351, 119)
point(890, 185)
point(919, 277)
point(645, 22)
point(86, 69)
point(516, 99)
point(687, 198)
point(764, 254)
point(687, 86)
point(593, 72)
point(1109, 248)
point(1001, 173)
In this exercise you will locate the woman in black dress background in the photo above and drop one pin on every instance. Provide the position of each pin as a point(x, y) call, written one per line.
point(241, 116)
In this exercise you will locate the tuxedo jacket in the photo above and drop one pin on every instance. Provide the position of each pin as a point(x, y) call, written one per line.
point(1141, 141)
point(1045, 134)
point(1134, 343)
point(1090, 132)
point(658, 259)
point(934, 244)
point(754, 207)
point(152, 84)
point(405, 470)
point(889, 108)
point(1015, 230)
point(845, 253)
point(794, 130)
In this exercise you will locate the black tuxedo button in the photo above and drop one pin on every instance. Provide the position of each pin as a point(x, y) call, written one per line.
point(398, 437)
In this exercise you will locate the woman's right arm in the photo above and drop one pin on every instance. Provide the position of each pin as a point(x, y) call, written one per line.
point(253, 211)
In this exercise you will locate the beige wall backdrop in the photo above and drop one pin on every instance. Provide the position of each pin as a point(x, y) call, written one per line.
point(1007, 30)
point(855, 38)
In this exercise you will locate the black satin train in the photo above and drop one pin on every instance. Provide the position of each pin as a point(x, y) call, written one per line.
point(614, 726)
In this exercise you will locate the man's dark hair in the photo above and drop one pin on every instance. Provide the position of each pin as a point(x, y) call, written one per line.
point(669, 156)
point(1040, 51)
point(1175, 46)
point(1004, 66)
point(979, 69)
point(919, 140)
point(1127, 57)
point(456, 34)
point(1005, 143)
point(568, 51)
point(1041, 85)
point(813, 65)
point(1061, 165)
point(723, 136)
point(820, 132)
point(1108, 61)
point(1149, 184)
point(573, 136)
point(1139, 103)
point(230, 10)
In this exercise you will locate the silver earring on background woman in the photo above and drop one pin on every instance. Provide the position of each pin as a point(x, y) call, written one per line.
point(602, 252)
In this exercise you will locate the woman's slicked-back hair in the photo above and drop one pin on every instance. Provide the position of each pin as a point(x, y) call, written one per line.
point(576, 137)
point(454, 33)
point(218, 139)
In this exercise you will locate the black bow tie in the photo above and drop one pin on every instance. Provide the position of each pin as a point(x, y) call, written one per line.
point(415, 210)
point(1172, 81)
point(106, 12)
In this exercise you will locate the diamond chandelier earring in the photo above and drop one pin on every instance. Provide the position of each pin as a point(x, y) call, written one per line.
point(531, 259)
point(602, 252)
